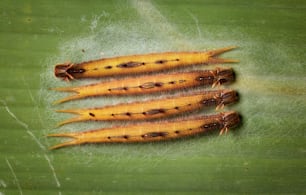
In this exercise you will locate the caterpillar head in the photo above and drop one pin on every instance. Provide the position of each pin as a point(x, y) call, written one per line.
point(224, 75)
point(231, 119)
point(228, 96)
point(62, 71)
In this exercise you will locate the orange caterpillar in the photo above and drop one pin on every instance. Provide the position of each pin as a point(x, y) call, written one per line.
point(155, 108)
point(151, 83)
point(138, 64)
point(149, 132)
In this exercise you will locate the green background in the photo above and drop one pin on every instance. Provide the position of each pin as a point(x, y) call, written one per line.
point(266, 154)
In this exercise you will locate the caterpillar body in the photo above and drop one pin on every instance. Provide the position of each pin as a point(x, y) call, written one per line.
point(138, 64)
point(156, 108)
point(157, 131)
point(151, 84)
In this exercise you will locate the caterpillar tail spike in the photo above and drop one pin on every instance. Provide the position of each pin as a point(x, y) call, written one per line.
point(68, 98)
point(65, 89)
point(81, 117)
point(213, 56)
point(65, 144)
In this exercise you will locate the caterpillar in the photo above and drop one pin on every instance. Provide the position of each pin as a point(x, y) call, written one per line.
point(157, 108)
point(150, 84)
point(157, 131)
point(138, 64)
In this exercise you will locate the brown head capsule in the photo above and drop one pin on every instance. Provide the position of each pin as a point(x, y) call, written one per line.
point(225, 97)
point(217, 77)
point(230, 120)
point(224, 75)
point(67, 71)
point(61, 71)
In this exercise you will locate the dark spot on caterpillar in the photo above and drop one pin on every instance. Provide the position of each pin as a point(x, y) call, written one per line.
point(113, 114)
point(95, 69)
point(199, 78)
point(190, 129)
point(159, 84)
point(83, 50)
point(189, 104)
point(119, 137)
point(147, 85)
point(203, 79)
point(172, 82)
point(160, 61)
point(209, 102)
point(154, 134)
point(128, 114)
point(211, 126)
point(108, 67)
point(92, 114)
point(176, 108)
point(154, 111)
point(150, 85)
point(221, 81)
point(72, 70)
point(177, 132)
point(119, 88)
point(130, 64)
point(177, 59)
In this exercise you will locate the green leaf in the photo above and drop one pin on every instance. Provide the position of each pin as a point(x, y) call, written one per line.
point(266, 154)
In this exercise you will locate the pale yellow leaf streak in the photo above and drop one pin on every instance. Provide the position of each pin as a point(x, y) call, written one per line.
point(270, 84)
point(2, 184)
point(24, 125)
point(58, 184)
point(14, 175)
